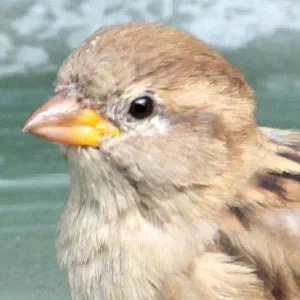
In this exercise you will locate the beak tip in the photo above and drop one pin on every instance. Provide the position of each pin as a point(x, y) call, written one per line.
point(25, 127)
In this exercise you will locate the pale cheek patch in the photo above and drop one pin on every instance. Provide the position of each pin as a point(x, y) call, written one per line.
point(156, 126)
point(160, 124)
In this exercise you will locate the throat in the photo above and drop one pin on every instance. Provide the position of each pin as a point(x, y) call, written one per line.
point(103, 233)
point(97, 185)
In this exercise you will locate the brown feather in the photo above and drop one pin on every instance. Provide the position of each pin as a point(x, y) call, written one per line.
point(257, 231)
point(195, 202)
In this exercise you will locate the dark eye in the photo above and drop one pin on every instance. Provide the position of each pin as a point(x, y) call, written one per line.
point(141, 108)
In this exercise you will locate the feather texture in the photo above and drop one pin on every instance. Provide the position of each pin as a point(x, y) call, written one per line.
point(194, 202)
point(263, 231)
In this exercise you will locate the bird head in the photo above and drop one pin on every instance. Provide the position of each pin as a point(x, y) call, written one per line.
point(154, 103)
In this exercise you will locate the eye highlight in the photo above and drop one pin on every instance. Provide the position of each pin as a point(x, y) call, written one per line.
point(141, 107)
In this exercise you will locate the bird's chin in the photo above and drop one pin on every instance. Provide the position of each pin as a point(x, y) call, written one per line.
point(74, 151)
point(100, 152)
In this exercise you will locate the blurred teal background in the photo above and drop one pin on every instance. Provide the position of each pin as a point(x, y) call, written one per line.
point(262, 38)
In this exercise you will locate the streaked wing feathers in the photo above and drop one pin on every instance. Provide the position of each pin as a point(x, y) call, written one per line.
point(263, 228)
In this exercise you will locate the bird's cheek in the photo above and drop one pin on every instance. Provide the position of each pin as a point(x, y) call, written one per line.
point(61, 119)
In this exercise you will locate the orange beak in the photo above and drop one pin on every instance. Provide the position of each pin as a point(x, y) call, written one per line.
point(61, 119)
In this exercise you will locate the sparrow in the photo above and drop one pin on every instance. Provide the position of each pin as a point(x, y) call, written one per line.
point(175, 193)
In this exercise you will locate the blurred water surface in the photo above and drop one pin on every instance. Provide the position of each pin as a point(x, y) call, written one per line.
point(262, 38)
